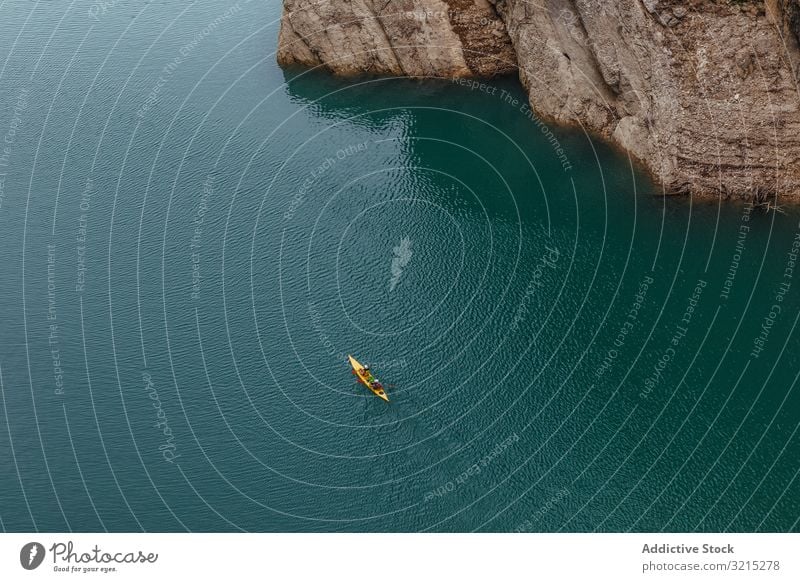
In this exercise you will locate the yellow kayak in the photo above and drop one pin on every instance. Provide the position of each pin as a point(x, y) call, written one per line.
point(367, 379)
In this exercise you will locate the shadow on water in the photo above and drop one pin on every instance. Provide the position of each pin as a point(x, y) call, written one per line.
point(337, 98)
point(486, 135)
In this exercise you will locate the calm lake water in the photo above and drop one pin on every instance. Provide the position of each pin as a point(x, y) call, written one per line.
point(193, 240)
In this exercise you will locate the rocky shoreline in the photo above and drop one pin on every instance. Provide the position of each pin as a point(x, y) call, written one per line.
point(703, 92)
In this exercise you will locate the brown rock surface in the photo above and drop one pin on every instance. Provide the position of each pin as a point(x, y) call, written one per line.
point(704, 92)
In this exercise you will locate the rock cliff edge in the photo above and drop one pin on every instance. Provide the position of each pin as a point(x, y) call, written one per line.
point(703, 92)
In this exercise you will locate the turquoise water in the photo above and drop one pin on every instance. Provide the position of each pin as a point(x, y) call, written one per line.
point(193, 240)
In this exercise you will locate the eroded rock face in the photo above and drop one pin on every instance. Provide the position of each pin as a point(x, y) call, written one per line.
point(704, 92)
point(425, 38)
point(791, 11)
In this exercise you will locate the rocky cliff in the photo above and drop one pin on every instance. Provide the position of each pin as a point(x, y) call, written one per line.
point(704, 92)
point(419, 38)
